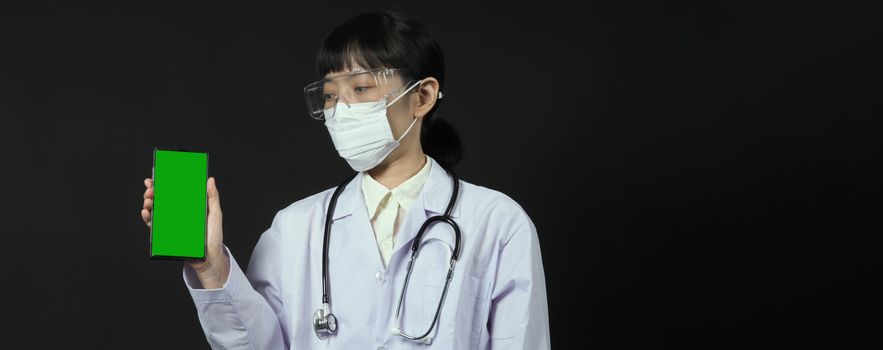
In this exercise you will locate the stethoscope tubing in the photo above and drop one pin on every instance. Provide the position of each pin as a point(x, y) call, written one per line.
point(415, 246)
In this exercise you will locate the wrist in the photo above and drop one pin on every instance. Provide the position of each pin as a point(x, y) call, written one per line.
point(212, 274)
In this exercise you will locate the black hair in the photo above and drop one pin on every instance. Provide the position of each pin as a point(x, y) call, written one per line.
point(389, 39)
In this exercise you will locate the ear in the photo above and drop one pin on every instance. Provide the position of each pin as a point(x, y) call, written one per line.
point(427, 95)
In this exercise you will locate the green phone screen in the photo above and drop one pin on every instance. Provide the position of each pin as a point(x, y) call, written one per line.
point(179, 204)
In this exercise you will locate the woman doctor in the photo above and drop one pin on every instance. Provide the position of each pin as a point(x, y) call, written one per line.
point(363, 285)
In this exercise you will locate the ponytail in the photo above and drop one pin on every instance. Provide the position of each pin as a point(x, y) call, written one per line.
point(440, 141)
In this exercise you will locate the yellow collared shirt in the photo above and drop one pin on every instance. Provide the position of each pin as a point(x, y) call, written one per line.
point(387, 208)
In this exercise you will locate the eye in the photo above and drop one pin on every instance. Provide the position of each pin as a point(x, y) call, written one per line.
point(329, 97)
point(361, 89)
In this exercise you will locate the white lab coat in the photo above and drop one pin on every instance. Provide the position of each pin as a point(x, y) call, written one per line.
point(496, 300)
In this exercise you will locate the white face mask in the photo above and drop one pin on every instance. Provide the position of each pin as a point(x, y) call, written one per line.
point(361, 132)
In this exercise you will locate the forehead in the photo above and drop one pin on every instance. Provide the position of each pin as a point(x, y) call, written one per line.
point(353, 67)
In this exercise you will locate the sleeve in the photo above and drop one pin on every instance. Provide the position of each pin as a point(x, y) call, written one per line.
point(244, 313)
point(519, 316)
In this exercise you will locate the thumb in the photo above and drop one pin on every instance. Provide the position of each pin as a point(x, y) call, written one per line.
point(214, 198)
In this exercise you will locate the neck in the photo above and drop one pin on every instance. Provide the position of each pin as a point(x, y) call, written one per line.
point(398, 170)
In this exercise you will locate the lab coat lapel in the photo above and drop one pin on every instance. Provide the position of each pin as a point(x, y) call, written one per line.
point(433, 200)
point(351, 219)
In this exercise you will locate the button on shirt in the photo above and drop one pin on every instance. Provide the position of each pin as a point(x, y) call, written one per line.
point(388, 208)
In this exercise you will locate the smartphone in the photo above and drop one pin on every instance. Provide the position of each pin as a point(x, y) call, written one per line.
point(178, 230)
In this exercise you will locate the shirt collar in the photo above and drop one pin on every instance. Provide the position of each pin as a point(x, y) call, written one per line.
point(436, 193)
point(405, 193)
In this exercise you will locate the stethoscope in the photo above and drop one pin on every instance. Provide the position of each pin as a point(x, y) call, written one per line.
point(325, 323)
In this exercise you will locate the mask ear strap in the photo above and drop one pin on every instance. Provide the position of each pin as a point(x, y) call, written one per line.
point(405, 92)
point(415, 119)
point(407, 130)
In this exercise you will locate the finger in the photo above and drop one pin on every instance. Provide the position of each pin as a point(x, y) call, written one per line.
point(148, 193)
point(214, 197)
point(145, 216)
point(148, 182)
point(148, 204)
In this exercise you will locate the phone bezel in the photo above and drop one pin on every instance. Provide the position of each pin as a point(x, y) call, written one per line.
point(205, 226)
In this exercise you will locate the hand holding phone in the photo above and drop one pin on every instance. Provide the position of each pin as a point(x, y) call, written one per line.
point(211, 267)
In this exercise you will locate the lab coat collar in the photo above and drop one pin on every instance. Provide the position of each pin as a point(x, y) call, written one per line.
point(436, 193)
point(349, 199)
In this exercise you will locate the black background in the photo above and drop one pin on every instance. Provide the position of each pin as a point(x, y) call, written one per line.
point(702, 174)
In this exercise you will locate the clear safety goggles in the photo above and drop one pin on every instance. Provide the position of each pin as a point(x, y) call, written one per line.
point(377, 85)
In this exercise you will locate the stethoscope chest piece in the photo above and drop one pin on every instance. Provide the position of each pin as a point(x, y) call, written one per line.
point(324, 323)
